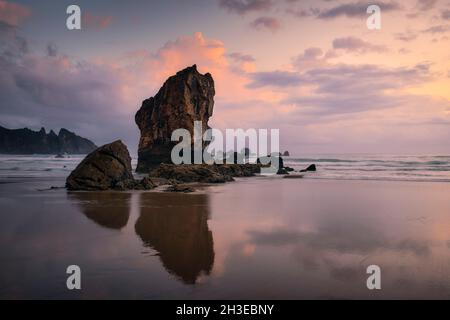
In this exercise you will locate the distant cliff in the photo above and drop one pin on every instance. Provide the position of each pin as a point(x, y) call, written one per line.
point(26, 141)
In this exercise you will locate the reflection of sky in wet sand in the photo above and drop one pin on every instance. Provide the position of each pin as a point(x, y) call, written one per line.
point(256, 238)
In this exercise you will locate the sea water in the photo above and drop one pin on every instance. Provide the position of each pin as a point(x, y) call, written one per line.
point(329, 166)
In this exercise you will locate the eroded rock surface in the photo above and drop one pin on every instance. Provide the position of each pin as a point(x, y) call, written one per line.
point(217, 173)
point(108, 167)
point(184, 98)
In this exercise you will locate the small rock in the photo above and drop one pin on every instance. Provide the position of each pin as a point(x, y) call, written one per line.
point(311, 167)
point(180, 188)
point(293, 176)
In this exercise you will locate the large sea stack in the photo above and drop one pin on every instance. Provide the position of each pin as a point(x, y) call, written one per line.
point(184, 98)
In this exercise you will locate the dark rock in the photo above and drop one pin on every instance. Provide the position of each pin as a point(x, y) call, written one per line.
point(311, 167)
point(217, 173)
point(108, 167)
point(180, 188)
point(190, 173)
point(266, 160)
point(26, 141)
point(293, 176)
point(145, 184)
point(184, 98)
point(238, 170)
point(286, 154)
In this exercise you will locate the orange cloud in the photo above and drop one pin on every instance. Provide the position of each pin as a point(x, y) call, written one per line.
point(13, 13)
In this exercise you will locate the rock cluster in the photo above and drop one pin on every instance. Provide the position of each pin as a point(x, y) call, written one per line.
point(184, 98)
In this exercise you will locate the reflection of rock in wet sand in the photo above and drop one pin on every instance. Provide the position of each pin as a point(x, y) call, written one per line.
point(108, 209)
point(176, 226)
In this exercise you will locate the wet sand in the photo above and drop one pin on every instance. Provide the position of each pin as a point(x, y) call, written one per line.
point(255, 238)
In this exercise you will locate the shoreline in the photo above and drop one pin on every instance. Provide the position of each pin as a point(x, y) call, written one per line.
point(310, 235)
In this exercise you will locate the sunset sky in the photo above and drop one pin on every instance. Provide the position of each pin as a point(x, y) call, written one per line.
point(310, 68)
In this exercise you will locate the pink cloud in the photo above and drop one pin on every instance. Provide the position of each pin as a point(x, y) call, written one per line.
point(13, 13)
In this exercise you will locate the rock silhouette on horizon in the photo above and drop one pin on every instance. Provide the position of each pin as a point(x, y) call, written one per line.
point(26, 141)
point(184, 98)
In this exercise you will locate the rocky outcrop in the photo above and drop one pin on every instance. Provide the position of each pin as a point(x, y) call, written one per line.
point(184, 98)
point(286, 154)
point(217, 173)
point(311, 167)
point(265, 161)
point(26, 141)
point(108, 167)
point(180, 188)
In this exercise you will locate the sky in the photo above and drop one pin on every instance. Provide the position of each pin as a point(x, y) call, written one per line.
point(311, 69)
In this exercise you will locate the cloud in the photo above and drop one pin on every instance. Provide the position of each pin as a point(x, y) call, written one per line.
point(311, 58)
point(242, 63)
point(96, 22)
point(353, 44)
point(406, 36)
point(274, 79)
point(421, 7)
point(242, 7)
point(303, 13)
point(425, 5)
point(13, 13)
point(341, 89)
point(268, 23)
point(355, 9)
point(437, 29)
point(12, 45)
point(237, 56)
point(445, 15)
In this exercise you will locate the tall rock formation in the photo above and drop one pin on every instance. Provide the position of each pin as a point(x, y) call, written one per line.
point(184, 98)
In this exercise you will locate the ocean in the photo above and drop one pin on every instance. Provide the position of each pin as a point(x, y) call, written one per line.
point(330, 166)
